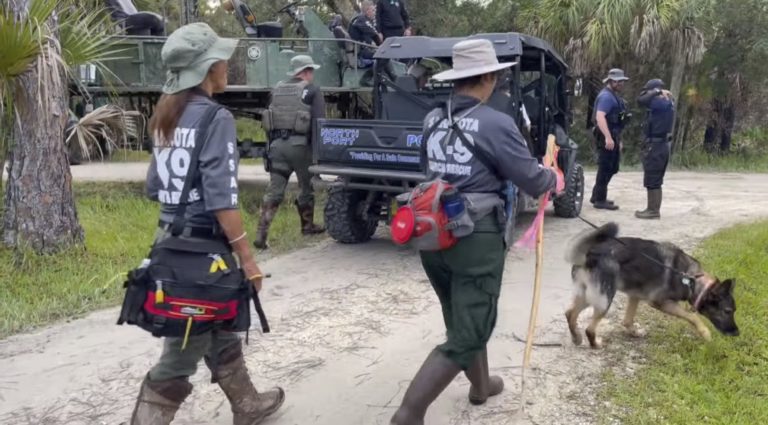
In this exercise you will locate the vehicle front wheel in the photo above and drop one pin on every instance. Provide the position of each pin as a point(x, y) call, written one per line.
point(343, 216)
point(569, 204)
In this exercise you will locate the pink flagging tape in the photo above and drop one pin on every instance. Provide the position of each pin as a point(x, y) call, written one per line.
point(528, 240)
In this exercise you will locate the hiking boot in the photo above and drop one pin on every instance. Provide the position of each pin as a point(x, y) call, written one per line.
point(653, 210)
point(158, 401)
point(604, 205)
point(268, 212)
point(249, 407)
point(483, 385)
point(307, 216)
point(434, 375)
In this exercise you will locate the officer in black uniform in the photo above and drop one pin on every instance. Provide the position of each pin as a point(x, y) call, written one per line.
point(392, 18)
point(658, 129)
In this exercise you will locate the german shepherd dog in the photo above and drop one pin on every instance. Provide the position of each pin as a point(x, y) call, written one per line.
point(604, 264)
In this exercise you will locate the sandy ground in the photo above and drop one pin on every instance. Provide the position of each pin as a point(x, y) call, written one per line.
point(351, 325)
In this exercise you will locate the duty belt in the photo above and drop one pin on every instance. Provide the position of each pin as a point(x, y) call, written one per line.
point(193, 232)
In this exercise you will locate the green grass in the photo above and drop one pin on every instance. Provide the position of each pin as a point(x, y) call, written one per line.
point(738, 161)
point(248, 128)
point(119, 224)
point(688, 381)
point(128, 155)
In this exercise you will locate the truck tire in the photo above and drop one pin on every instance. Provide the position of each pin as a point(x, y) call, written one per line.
point(343, 220)
point(569, 204)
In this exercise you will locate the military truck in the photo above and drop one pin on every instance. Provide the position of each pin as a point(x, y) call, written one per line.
point(259, 63)
point(374, 160)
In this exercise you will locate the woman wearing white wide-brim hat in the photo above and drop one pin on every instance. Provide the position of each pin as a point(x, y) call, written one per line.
point(467, 276)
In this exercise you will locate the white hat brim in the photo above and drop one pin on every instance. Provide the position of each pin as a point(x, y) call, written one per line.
point(452, 74)
point(617, 79)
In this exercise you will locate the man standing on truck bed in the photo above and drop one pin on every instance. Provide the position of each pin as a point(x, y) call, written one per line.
point(610, 118)
point(295, 106)
point(392, 18)
point(477, 157)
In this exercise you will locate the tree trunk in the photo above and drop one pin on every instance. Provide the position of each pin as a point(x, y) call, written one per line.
point(676, 86)
point(39, 203)
point(678, 74)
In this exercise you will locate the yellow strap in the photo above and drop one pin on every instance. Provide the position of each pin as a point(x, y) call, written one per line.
point(218, 264)
point(186, 334)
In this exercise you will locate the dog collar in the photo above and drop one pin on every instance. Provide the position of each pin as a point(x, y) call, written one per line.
point(707, 286)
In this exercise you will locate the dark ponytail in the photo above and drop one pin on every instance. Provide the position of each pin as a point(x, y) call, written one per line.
point(166, 117)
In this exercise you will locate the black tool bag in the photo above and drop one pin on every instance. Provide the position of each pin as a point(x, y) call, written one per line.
point(190, 286)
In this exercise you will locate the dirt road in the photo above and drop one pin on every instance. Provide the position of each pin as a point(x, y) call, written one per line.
point(137, 171)
point(352, 324)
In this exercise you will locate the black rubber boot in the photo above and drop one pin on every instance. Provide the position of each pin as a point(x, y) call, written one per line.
point(483, 385)
point(432, 378)
point(307, 216)
point(653, 211)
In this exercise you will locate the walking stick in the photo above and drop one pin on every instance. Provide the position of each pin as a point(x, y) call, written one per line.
point(536, 232)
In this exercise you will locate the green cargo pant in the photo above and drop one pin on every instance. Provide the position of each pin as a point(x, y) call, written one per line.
point(178, 363)
point(287, 156)
point(467, 280)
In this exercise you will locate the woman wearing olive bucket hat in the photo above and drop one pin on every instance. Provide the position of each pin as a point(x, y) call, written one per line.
point(196, 59)
point(467, 277)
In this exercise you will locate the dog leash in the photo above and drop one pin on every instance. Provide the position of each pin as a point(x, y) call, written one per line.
point(685, 277)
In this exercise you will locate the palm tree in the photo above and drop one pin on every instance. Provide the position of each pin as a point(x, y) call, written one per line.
point(596, 34)
point(42, 41)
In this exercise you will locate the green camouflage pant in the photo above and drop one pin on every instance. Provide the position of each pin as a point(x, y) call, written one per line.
point(467, 280)
point(177, 363)
point(287, 157)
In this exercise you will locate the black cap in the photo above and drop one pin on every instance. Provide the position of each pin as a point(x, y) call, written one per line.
point(653, 84)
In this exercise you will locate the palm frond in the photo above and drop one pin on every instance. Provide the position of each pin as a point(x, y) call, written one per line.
point(689, 43)
point(19, 46)
point(106, 123)
point(50, 69)
point(577, 53)
point(646, 33)
point(58, 34)
point(85, 36)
